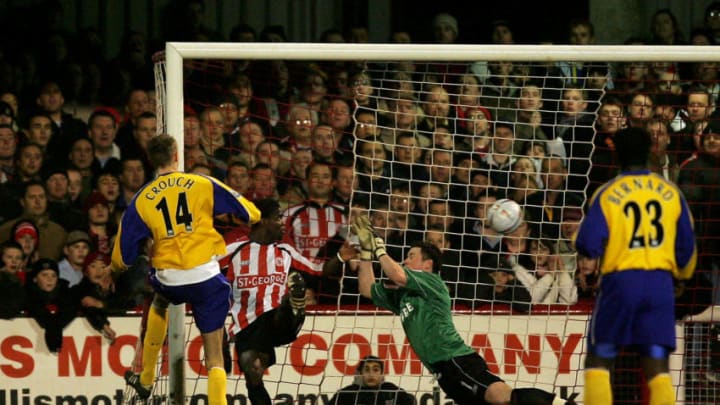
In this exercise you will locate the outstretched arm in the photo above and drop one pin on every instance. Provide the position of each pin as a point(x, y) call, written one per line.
point(393, 270)
point(366, 279)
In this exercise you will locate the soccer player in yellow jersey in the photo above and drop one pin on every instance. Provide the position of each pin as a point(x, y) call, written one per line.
point(176, 210)
point(640, 226)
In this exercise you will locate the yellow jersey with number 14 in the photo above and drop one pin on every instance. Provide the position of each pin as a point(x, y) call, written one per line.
point(639, 221)
point(176, 210)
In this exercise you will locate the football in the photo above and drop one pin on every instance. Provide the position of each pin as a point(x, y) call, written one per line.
point(504, 216)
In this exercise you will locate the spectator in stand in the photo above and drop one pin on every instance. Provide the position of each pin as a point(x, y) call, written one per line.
point(705, 75)
point(60, 209)
point(478, 131)
point(661, 162)
point(311, 224)
point(8, 146)
point(12, 280)
point(698, 180)
point(587, 276)
point(372, 170)
point(66, 128)
point(323, 145)
point(144, 129)
point(438, 111)
point(344, 182)
point(212, 139)
point(575, 134)
point(28, 162)
point(268, 152)
point(107, 183)
point(363, 91)
point(100, 227)
point(500, 91)
point(545, 208)
point(543, 274)
point(632, 78)
point(25, 233)
point(665, 29)
point(40, 129)
point(440, 166)
point(102, 129)
point(499, 158)
point(292, 186)
point(96, 294)
point(238, 177)
point(640, 110)
point(403, 114)
point(250, 135)
point(528, 117)
point(75, 186)
point(298, 131)
point(82, 158)
point(313, 89)
point(271, 83)
point(370, 387)
point(712, 20)
point(611, 119)
point(337, 116)
point(366, 124)
point(406, 158)
point(77, 247)
point(468, 98)
point(50, 302)
point(564, 248)
point(580, 32)
point(51, 235)
point(228, 104)
point(132, 178)
point(263, 182)
point(700, 107)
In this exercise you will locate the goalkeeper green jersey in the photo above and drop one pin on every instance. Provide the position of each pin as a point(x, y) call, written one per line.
point(424, 308)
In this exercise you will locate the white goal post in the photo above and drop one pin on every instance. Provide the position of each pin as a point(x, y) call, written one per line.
point(172, 102)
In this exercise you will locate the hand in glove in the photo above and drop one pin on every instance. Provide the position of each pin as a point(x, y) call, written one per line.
point(369, 241)
point(363, 230)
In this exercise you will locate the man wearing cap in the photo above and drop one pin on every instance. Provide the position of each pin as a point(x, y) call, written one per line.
point(77, 246)
point(49, 302)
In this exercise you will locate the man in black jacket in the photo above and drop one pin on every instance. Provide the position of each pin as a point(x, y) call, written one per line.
point(370, 387)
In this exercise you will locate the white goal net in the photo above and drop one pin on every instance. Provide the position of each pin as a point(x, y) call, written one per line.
point(430, 136)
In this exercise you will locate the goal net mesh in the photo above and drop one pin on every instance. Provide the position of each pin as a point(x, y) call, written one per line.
point(429, 146)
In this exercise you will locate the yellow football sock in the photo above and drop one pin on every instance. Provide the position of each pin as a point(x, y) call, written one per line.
point(597, 387)
point(154, 339)
point(661, 390)
point(217, 386)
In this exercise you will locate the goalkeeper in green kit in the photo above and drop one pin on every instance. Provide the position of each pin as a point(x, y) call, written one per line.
point(420, 297)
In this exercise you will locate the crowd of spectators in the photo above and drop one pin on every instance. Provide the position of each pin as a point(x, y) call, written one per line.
point(425, 147)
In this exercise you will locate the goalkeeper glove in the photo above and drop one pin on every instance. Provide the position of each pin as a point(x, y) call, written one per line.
point(379, 247)
point(363, 230)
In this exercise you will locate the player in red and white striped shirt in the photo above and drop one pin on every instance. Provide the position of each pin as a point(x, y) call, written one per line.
point(268, 307)
point(310, 225)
